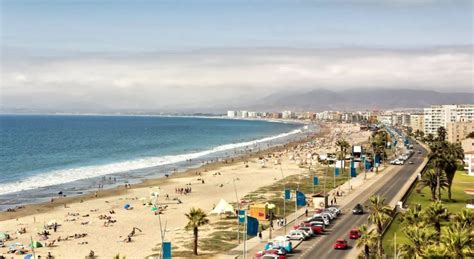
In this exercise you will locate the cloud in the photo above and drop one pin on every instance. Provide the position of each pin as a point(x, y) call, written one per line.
point(209, 77)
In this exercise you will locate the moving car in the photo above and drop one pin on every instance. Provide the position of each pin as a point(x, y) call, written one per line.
point(358, 209)
point(354, 233)
point(340, 244)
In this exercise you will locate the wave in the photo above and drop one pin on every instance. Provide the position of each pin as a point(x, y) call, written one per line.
point(74, 174)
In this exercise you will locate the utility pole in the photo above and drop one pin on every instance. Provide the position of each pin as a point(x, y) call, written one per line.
point(238, 210)
point(284, 198)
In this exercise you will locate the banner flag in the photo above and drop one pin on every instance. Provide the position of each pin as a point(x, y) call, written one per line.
point(315, 180)
point(353, 172)
point(336, 171)
point(166, 250)
point(287, 194)
point(241, 216)
point(252, 226)
point(300, 198)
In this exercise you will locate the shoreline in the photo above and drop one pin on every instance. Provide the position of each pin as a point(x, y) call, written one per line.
point(41, 207)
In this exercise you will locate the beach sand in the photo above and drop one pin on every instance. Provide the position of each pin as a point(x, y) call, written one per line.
point(107, 241)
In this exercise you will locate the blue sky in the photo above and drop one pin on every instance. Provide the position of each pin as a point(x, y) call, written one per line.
point(160, 55)
point(105, 25)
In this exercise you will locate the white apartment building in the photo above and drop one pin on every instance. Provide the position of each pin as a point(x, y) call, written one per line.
point(385, 119)
point(439, 115)
point(287, 114)
point(253, 114)
point(231, 114)
point(244, 114)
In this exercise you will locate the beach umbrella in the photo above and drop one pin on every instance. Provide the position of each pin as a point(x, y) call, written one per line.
point(14, 246)
point(28, 256)
point(36, 245)
point(153, 209)
point(126, 206)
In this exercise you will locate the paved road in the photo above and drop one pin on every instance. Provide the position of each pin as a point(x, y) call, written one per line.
point(388, 187)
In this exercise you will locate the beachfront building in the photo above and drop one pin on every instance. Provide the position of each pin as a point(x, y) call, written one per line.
point(276, 115)
point(253, 114)
point(244, 114)
point(457, 131)
point(417, 122)
point(468, 147)
point(287, 115)
point(406, 118)
point(386, 119)
point(231, 114)
point(440, 115)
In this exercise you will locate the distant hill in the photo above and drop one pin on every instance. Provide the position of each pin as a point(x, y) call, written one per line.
point(358, 99)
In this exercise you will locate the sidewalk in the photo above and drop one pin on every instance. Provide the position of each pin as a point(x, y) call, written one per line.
point(255, 244)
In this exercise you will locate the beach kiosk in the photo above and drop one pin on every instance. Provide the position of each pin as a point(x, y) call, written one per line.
point(320, 201)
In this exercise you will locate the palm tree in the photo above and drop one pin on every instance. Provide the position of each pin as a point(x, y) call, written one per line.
point(411, 217)
point(197, 218)
point(435, 251)
point(441, 131)
point(434, 215)
point(367, 239)
point(465, 217)
point(458, 240)
point(419, 238)
point(453, 153)
point(380, 214)
point(429, 138)
point(430, 179)
point(438, 160)
point(343, 146)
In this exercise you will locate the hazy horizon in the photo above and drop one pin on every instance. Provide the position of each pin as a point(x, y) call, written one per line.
point(184, 55)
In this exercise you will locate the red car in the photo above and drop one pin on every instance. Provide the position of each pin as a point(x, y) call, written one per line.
point(316, 228)
point(271, 253)
point(340, 244)
point(354, 233)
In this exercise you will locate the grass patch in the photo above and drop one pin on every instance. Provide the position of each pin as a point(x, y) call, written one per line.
point(212, 244)
point(460, 183)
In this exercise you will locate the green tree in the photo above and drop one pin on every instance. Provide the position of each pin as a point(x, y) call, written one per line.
point(441, 132)
point(438, 158)
point(434, 215)
point(419, 238)
point(367, 240)
point(458, 240)
point(465, 217)
point(430, 179)
point(453, 153)
point(196, 219)
point(470, 135)
point(411, 217)
point(379, 215)
point(429, 138)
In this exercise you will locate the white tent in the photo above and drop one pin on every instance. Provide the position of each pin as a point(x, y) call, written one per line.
point(223, 207)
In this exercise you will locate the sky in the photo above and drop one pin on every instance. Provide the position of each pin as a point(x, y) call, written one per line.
point(165, 55)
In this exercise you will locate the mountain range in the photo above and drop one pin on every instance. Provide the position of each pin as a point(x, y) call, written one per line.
point(358, 99)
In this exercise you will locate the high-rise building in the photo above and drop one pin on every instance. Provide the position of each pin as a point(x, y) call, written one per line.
point(457, 131)
point(231, 114)
point(417, 122)
point(439, 115)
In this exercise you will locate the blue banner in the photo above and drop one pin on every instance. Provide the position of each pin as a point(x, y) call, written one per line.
point(315, 180)
point(241, 216)
point(252, 226)
point(377, 159)
point(166, 250)
point(300, 198)
point(287, 194)
point(353, 172)
point(352, 164)
point(336, 171)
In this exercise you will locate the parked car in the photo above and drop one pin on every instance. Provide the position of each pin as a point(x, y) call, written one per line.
point(323, 215)
point(322, 219)
point(307, 230)
point(335, 210)
point(296, 235)
point(358, 209)
point(340, 244)
point(317, 229)
point(354, 233)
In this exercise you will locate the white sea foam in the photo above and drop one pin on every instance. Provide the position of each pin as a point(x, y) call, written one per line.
point(74, 174)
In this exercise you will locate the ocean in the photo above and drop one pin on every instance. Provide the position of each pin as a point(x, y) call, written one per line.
point(42, 155)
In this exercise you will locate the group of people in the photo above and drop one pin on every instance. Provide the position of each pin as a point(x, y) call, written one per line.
point(183, 190)
point(281, 222)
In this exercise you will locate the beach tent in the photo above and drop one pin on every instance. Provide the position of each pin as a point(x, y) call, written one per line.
point(126, 206)
point(36, 244)
point(28, 256)
point(223, 207)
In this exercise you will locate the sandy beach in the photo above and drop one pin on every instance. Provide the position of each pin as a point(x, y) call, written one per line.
point(99, 222)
